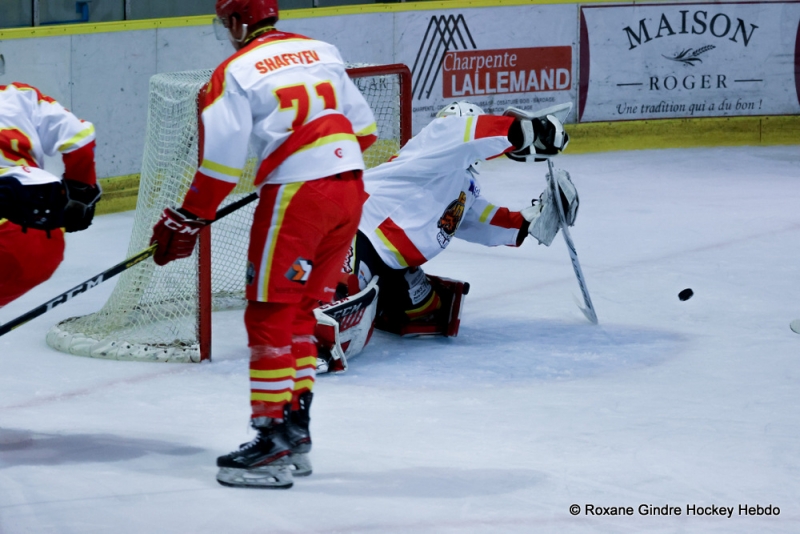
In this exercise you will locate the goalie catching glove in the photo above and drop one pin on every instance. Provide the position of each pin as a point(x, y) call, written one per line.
point(542, 215)
point(538, 136)
point(176, 234)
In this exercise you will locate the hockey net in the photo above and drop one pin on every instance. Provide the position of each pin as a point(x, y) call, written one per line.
point(164, 313)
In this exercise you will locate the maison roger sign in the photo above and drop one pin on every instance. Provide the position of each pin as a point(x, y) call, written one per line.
point(689, 60)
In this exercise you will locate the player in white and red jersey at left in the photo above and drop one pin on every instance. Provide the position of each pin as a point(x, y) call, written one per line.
point(290, 98)
point(36, 207)
point(418, 202)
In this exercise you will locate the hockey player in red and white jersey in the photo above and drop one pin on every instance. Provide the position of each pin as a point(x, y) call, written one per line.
point(428, 194)
point(36, 207)
point(290, 98)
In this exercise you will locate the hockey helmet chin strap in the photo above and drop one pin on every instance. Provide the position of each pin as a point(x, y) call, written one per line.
point(222, 32)
point(238, 40)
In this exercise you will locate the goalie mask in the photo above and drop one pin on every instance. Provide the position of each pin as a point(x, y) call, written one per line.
point(462, 108)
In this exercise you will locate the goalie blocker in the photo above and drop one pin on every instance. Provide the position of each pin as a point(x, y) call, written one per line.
point(345, 326)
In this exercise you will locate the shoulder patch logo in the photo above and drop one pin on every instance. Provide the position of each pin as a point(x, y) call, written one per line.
point(450, 219)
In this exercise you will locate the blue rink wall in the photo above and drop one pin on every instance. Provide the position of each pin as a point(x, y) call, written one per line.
point(101, 71)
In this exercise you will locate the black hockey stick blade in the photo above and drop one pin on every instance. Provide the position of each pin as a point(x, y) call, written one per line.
point(107, 274)
point(588, 310)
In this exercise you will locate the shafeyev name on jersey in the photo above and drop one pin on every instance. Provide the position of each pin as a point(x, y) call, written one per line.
point(304, 57)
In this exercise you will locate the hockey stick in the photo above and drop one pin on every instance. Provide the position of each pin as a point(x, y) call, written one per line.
point(108, 273)
point(588, 311)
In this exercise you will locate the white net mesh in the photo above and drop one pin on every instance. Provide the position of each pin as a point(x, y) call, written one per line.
point(152, 313)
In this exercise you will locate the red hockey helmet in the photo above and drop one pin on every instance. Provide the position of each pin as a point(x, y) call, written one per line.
point(250, 11)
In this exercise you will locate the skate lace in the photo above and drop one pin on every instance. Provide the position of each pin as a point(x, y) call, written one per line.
point(250, 444)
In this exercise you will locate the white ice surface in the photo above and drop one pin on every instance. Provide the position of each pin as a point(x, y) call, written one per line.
point(529, 410)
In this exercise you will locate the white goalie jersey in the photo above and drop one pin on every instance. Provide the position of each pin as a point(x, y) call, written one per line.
point(426, 195)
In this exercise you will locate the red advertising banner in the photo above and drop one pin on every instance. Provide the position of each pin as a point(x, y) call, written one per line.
point(470, 73)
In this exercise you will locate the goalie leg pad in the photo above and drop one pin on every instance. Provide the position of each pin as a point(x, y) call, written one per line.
point(447, 319)
point(344, 327)
point(406, 296)
point(443, 320)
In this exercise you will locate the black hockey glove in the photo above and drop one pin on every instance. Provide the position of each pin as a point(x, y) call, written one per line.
point(79, 212)
point(37, 206)
point(544, 136)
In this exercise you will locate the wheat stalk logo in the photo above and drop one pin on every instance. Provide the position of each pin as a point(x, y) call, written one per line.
point(690, 57)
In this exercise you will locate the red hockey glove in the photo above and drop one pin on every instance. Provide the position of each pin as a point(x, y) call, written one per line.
point(176, 234)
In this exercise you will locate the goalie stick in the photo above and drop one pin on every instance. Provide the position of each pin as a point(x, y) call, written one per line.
point(108, 274)
point(588, 311)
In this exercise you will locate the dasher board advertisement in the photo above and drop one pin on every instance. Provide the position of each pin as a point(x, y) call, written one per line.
point(522, 56)
point(689, 60)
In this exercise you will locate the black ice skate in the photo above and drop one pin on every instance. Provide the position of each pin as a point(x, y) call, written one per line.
point(297, 431)
point(261, 463)
point(297, 422)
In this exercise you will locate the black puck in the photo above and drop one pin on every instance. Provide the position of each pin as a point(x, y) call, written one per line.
point(686, 294)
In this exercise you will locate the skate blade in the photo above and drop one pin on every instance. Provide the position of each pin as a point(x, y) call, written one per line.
point(298, 464)
point(274, 476)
